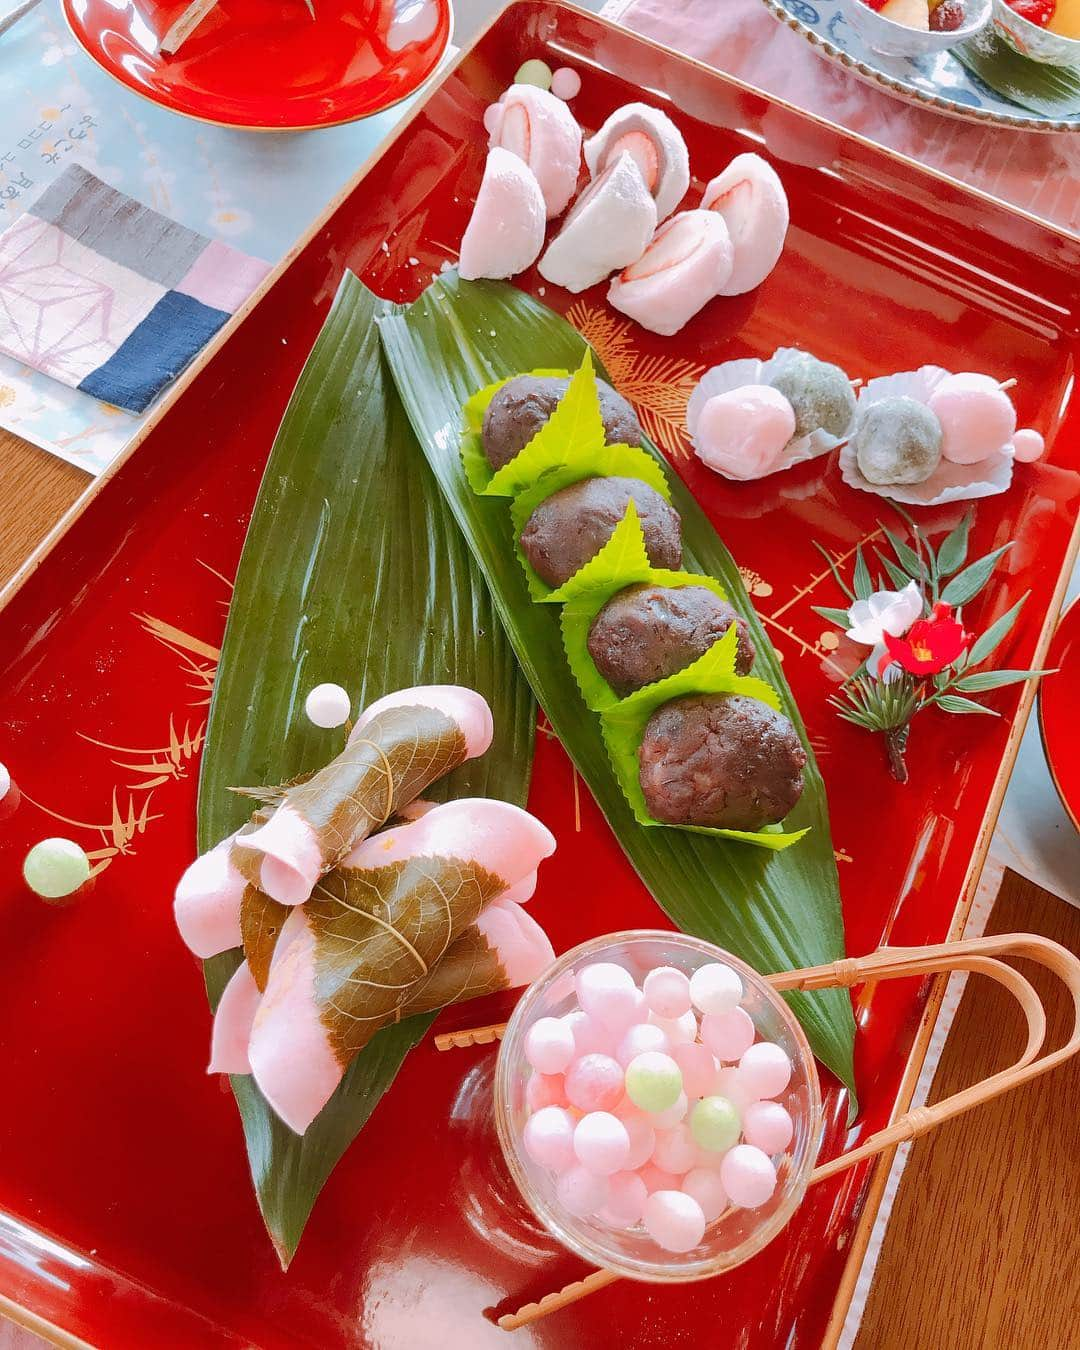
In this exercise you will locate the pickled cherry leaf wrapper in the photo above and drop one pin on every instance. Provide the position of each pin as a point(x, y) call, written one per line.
point(776, 910)
point(350, 547)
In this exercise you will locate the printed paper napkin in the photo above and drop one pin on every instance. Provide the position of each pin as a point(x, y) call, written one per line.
point(110, 297)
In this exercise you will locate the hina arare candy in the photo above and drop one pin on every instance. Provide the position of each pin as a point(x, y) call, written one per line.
point(661, 1125)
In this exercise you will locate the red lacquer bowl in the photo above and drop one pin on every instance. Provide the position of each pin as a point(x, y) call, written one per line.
point(1059, 698)
point(266, 65)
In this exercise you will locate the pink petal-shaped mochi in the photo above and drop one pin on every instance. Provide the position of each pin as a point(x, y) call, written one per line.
point(505, 232)
point(464, 706)
point(685, 266)
point(522, 947)
point(540, 130)
point(233, 1021)
point(207, 902)
point(751, 198)
point(292, 857)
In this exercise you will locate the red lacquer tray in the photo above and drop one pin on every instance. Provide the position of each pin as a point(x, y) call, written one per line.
point(1058, 702)
point(126, 1213)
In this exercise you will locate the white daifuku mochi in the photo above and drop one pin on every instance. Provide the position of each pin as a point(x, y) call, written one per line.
point(609, 227)
point(656, 146)
point(685, 266)
point(751, 198)
point(505, 232)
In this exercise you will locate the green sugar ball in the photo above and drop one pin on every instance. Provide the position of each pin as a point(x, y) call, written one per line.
point(715, 1124)
point(534, 72)
point(653, 1081)
point(55, 868)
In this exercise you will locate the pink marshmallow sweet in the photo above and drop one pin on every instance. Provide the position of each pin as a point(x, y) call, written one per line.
point(742, 434)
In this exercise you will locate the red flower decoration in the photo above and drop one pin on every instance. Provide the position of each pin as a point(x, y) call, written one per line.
point(930, 644)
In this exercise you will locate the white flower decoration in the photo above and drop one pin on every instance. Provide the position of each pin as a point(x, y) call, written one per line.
point(881, 665)
point(891, 612)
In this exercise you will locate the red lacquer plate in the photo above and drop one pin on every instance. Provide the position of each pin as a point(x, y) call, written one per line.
point(266, 65)
point(126, 1211)
point(1058, 702)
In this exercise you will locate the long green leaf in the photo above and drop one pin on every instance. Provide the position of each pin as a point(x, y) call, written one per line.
point(353, 572)
point(997, 632)
point(967, 584)
point(776, 910)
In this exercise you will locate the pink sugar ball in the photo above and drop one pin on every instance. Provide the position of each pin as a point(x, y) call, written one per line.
point(642, 1138)
point(731, 1084)
point(492, 118)
point(640, 1038)
point(627, 1194)
point(768, 1127)
point(594, 1083)
point(765, 1069)
point(665, 1120)
point(748, 1176)
point(589, 1036)
point(1028, 445)
point(742, 433)
point(679, 1030)
point(565, 83)
point(667, 992)
point(545, 1089)
point(977, 417)
point(608, 993)
point(549, 1045)
point(698, 1068)
point(581, 1192)
point(704, 1184)
point(674, 1220)
point(675, 1150)
point(602, 1143)
point(728, 1035)
point(657, 1180)
point(549, 1138)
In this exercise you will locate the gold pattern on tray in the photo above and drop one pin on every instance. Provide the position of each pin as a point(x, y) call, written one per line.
point(657, 386)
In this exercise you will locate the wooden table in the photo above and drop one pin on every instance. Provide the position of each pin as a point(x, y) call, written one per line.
point(981, 1251)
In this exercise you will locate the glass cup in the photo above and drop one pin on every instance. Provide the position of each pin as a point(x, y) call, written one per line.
point(738, 1233)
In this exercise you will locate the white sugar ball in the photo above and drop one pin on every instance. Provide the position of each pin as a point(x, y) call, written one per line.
point(5, 782)
point(715, 988)
point(608, 994)
point(748, 1176)
point(549, 1138)
point(765, 1069)
point(549, 1045)
point(642, 1138)
point(674, 1220)
point(565, 83)
point(328, 705)
point(679, 1030)
point(728, 1035)
point(667, 992)
point(705, 1186)
point(627, 1194)
point(602, 1143)
point(639, 1039)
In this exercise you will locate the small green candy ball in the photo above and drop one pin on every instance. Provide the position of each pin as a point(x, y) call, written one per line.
point(534, 72)
point(55, 868)
point(653, 1081)
point(715, 1124)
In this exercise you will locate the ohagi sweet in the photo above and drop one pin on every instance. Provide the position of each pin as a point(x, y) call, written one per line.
point(521, 407)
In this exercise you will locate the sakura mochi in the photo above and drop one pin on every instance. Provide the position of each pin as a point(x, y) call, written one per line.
point(687, 263)
point(656, 147)
point(539, 130)
point(609, 227)
point(505, 232)
point(751, 199)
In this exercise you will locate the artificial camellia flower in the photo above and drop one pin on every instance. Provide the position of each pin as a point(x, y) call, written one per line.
point(891, 612)
point(930, 644)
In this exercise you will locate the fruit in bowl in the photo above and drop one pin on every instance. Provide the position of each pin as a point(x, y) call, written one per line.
point(1047, 31)
point(916, 27)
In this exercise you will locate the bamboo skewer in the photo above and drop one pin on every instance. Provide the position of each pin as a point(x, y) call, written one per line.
point(977, 955)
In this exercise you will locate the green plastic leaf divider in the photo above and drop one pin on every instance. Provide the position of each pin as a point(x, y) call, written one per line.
point(353, 572)
point(776, 910)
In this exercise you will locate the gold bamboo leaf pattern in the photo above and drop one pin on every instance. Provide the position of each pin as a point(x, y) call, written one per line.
point(380, 931)
point(658, 386)
point(158, 763)
point(401, 752)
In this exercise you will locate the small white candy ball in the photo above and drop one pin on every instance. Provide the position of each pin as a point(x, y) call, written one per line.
point(608, 993)
point(642, 1138)
point(627, 1194)
point(765, 1069)
point(705, 1186)
point(1028, 445)
point(679, 1030)
point(667, 992)
point(581, 1192)
point(590, 1036)
point(715, 988)
point(549, 1045)
point(602, 1143)
point(549, 1138)
point(674, 1220)
point(565, 83)
point(641, 1037)
point(328, 705)
point(748, 1176)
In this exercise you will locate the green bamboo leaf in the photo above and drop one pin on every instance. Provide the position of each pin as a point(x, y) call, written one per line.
point(836, 616)
point(951, 703)
point(897, 575)
point(953, 551)
point(989, 641)
point(968, 583)
point(834, 569)
point(906, 556)
point(863, 582)
point(982, 680)
point(332, 576)
point(778, 910)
